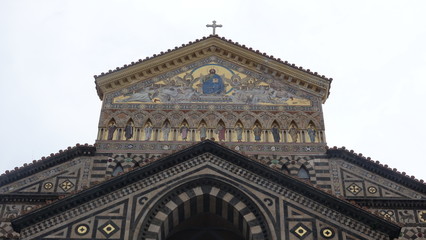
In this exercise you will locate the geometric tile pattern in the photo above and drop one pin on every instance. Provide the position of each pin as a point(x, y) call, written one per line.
point(386, 213)
point(48, 185)
point(354, 188)
point(301, 231)
point(374, 185)
point(68, 169)
point(327, 233)
point(6, 231)
point(82, 229)
point(108, 229)
point(372, 189)
point(66, 185)
point(418, 233)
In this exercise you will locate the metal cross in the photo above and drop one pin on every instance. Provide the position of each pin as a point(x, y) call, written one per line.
point(214, 26)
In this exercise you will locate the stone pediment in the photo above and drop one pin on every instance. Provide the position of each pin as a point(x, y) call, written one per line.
point(203, 169)
point(212, 81)
point(237, 67)
point(362, 177)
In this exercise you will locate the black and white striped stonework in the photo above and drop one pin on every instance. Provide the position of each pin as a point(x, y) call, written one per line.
point(208, 197)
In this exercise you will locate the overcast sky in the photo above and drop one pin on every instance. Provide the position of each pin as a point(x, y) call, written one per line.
point(374, 50)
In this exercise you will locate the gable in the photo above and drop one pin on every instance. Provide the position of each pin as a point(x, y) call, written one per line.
point(203, 173)
point(34, 176)
point(212, 81)
point(215, 47)
point(355, 176)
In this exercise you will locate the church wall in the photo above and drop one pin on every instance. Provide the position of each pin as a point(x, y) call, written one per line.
point(354, 182)
point(64, 178)
point(117, 215)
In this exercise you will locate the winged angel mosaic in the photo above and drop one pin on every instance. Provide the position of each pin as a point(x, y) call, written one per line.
point(213, 83)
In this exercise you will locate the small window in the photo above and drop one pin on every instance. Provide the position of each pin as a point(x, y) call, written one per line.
point(117, 170)
point(303, 173)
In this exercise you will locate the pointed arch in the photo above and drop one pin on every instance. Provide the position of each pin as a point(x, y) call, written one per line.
point(202, 121)
point(275, 122)
point(303, 173)
point(117, 170)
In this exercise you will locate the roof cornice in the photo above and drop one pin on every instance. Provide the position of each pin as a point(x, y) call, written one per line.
point(46, 162)
point(39, 198)
point(390, 203)
point(377, 168)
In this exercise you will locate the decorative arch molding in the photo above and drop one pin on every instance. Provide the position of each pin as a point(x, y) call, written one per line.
point(207, 195)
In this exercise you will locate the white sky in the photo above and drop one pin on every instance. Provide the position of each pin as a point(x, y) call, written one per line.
point(374, 50)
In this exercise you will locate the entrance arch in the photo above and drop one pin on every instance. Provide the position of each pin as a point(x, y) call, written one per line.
point(184, 209)
point(206, 226)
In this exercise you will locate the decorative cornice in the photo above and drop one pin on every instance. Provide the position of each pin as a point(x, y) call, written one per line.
point(378, 168)
point(39, 198)
point(46, 162)
point(391, 203)
point(305, 189)
point(213, 45)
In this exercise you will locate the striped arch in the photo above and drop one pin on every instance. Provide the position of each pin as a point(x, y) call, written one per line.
point(204, 196)
point(293, 164)
point(304, 162)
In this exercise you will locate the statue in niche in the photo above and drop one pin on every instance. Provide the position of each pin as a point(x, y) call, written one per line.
point(213, 83)
point(128, 130)
point(312, 132)
point(257, 133)
point(276, 133)
point(166, 131)
point(221, 132)
point(184, 131)
point(293, 133)
point(148, 131)
point(239, 131)
point(111, 129)
point(203, 132)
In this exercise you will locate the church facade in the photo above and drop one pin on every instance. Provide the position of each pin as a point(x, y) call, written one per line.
point(210, 140)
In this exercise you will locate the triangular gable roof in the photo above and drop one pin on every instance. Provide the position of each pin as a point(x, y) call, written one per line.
point(378, 168)
point(303, 188)
point(213, 45)
point(46, 162)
